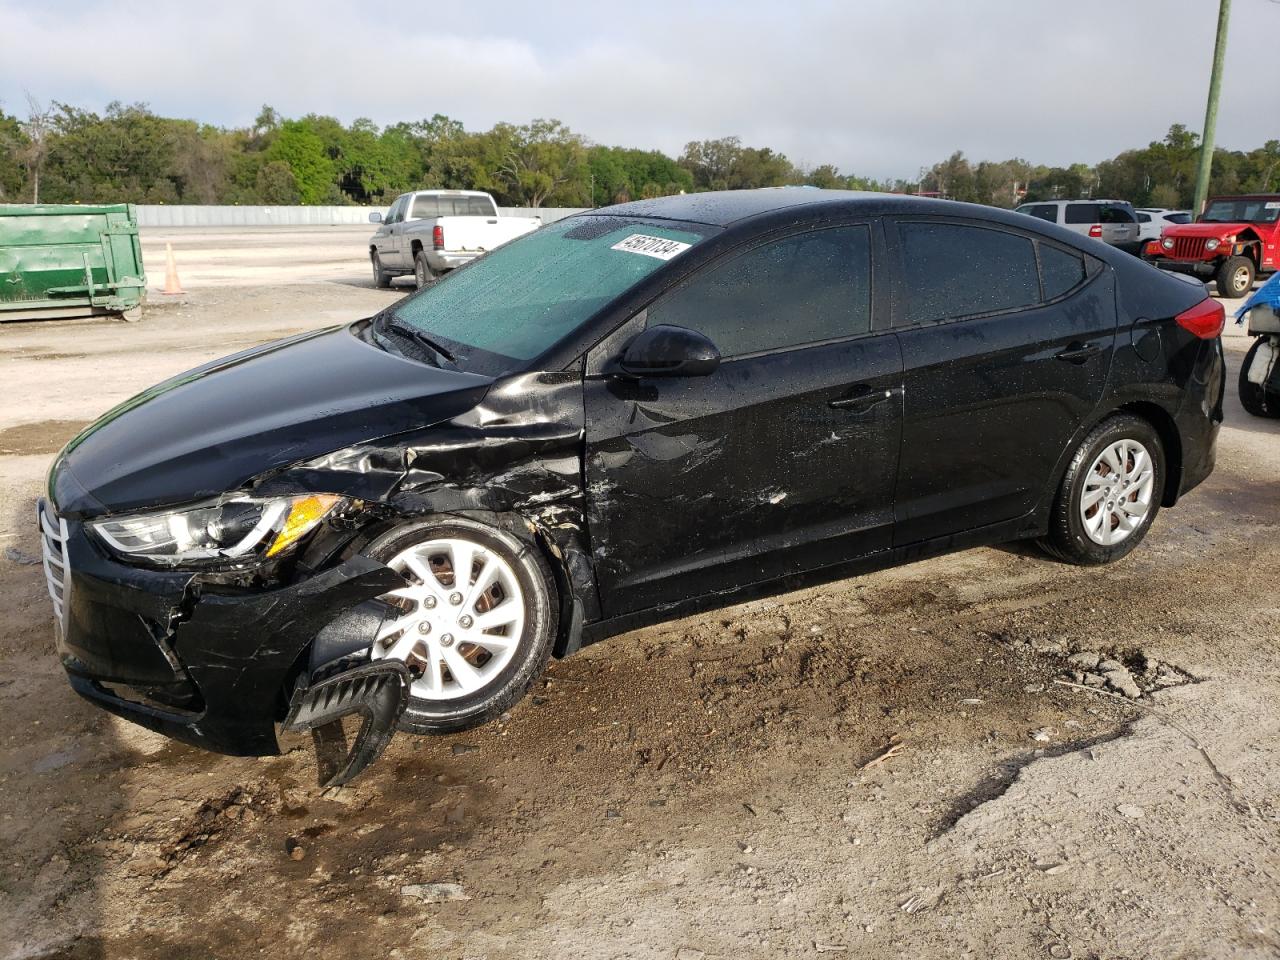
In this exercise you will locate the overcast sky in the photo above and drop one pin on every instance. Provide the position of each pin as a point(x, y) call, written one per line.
point(877, 87)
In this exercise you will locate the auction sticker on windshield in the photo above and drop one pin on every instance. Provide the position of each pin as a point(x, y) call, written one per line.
point(651, 246)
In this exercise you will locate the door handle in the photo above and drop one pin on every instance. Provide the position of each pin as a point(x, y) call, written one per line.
point(862, 401)
point(1079, 353)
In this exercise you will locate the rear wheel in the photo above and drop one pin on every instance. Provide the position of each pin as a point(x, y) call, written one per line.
point(1254, 397)
point(1110, 493)
point(422, 274)
point(381, 279)
point(475, 620)
point(1235, 277)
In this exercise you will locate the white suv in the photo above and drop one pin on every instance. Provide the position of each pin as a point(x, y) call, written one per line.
point(1111, 221)
point(1153, 220)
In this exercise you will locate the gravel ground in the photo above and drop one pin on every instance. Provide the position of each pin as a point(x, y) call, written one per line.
point(886, 766)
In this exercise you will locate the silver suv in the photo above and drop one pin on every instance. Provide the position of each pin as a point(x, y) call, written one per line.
point(1111, 221)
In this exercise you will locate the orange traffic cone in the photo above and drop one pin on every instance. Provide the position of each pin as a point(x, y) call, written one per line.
point(171, 284)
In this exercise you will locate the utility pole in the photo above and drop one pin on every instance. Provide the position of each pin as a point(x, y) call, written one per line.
point(1211, 108)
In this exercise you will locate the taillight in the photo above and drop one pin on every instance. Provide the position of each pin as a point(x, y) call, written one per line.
point(1206, 319)
point(1095, 230)
point(437, 237)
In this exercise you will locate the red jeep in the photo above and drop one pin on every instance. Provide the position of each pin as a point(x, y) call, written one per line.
point(1234, 240)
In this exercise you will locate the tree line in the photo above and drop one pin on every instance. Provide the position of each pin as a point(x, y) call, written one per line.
point(67, 154)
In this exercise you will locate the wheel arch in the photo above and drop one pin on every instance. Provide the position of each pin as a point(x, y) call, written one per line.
point(1166, 429)
point(1251, 241)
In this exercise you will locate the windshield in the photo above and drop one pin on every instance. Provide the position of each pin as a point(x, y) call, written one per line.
point(527, 295)
point(1242, 210)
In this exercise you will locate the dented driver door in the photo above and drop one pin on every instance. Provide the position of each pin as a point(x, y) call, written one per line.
point(781, 461)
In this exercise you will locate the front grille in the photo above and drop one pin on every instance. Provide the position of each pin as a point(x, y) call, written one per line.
point(53, 550)
point(1188, 248)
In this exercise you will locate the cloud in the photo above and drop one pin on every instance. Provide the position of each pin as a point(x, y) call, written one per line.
point(877, 87)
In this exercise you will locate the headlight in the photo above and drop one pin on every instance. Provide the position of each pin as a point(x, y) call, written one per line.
point(1167, 243)
point(1212, 243)
point(235, 527)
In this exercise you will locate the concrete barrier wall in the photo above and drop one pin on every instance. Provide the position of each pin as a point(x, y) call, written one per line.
point(191, 215)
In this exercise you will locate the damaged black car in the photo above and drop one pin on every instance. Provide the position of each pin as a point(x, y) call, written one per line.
point(626, 416)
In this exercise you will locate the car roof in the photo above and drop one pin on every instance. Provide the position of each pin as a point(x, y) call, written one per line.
point(1030, 203)
point(724, 208)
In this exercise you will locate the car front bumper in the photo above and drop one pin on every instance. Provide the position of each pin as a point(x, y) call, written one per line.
point(1198, 268)
point(208, 665)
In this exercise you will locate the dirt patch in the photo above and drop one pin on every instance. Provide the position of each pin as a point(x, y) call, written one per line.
point(44, 436)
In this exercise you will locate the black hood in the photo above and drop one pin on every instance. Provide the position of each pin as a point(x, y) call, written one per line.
point(215, 428)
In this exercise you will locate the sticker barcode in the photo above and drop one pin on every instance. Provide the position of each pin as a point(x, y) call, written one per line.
point(658, 247)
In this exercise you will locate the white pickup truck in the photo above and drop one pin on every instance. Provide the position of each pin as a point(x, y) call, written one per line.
point(430, 232)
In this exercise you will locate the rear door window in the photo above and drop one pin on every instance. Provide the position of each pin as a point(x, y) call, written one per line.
point(954, 270)
point(1083, 213)
point(801, 289)
point(1178, 217)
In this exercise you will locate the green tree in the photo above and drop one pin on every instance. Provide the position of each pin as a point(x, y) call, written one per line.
point(302, 149)
point(13, 174)
point(710, 162)
point(540, 160)
point(275, 183)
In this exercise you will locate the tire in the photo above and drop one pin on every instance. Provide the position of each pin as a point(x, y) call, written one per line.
point(422, 273)
point(381, 279)
point(1235, 277)
point(1255, 398)
point(1098, 534)
point(447, 704)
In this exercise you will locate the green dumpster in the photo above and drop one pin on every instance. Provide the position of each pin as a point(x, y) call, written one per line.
point(69, 260)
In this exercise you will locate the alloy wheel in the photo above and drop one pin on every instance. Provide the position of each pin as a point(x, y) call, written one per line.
point(461, 617)
point(1240, 280)
point(1118, 492)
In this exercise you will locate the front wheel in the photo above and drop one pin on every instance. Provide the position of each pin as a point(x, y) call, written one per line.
point(1235, 277)
point(1110, 493)
point(1255, 397)
point(474, 622)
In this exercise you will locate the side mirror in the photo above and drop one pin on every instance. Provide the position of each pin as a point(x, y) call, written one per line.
point(665, 351)
point(375, 218)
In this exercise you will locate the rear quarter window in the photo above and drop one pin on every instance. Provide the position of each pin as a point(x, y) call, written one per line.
point(1060, 271)
point(954, 270)
point(1115, 214)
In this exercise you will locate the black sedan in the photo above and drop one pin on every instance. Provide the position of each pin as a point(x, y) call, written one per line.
point(629, 415)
